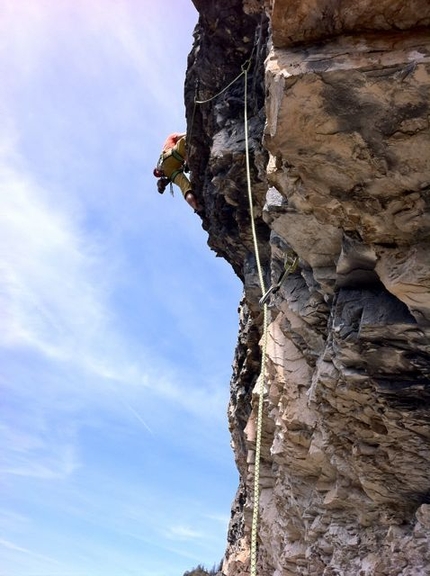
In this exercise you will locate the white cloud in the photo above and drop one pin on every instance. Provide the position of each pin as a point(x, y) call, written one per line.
point(35, 446)
point(16, 548)
point(46, 467)
point(180, 532)
point(50, 290)
point(55, 282)
point(97, 416)
point(221, 518)
point(23, 36)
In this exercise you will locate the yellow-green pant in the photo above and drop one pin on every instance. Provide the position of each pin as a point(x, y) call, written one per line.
point(173, 168)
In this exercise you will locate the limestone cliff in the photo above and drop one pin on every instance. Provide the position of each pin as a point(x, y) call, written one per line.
point(338, 113)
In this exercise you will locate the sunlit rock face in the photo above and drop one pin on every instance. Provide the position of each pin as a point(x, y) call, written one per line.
point(339, 137)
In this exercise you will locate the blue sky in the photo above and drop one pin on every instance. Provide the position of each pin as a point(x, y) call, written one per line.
point(118, 323)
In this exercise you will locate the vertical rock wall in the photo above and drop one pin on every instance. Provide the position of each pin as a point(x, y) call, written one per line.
point(340, 161)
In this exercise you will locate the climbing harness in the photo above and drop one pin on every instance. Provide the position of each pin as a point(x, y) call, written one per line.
point(290, 264)
point(164, 155)
point(175, 173)
point(171, 152)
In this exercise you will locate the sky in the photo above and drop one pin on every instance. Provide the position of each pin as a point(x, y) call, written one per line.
point(118, 322)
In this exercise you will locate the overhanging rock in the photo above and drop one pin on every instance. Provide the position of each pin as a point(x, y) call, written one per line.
point(340, 164)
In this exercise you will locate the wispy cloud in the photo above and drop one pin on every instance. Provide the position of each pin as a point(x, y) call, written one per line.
point(113, 410)
point(56, 281)
point(180, 532)
point(36, 457)
point(6, 544)
point(49, 285)
point(221, 518)
point(56, 278)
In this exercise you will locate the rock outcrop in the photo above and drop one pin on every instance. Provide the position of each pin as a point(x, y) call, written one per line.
point(339, 139)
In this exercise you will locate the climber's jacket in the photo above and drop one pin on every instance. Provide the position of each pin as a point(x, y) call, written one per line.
point(164, 156)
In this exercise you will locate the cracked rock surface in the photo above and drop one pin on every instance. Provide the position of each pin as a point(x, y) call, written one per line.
point(339, 141)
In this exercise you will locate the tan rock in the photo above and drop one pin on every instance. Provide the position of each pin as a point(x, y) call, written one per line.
point(340, 167)
point(299, 21)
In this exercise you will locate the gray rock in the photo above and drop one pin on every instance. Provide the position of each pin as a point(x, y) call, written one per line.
point(339, 150)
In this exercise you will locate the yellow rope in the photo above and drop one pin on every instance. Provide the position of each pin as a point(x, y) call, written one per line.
point(221, 91)
point(260, 382)
point(261, 377)
point(243, 71)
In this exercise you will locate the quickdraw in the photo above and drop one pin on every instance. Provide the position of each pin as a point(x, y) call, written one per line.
point(290, 266)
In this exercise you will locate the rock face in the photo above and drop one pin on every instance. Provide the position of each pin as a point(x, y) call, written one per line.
point(338, 113)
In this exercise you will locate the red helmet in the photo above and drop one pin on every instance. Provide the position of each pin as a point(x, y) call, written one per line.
point(157, 173)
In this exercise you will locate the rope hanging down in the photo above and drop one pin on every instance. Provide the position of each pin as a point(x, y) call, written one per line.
point(261, 377)
point(244, 69)
point(223, 90)
point(260, 381)
point(217, 94)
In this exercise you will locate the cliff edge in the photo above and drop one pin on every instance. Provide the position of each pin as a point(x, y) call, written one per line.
point(337, 100)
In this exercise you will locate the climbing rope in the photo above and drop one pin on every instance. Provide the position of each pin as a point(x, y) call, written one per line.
point(214, 96)
point(290, 265)
point(223, 90)
point(244, 69)
point(261, 377)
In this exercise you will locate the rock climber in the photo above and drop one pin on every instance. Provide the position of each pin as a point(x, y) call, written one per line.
point(171, 166)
